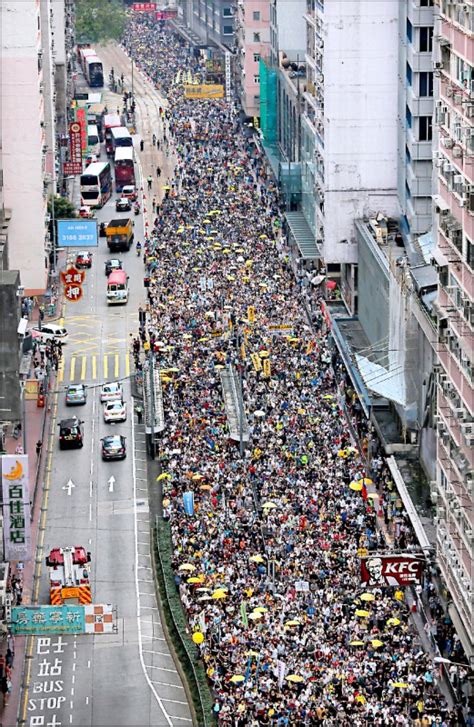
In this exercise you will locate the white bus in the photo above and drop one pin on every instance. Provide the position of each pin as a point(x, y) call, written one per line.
point(96, 184)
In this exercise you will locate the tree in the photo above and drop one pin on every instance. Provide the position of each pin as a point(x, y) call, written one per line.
point(63, 208)
point(99, 21)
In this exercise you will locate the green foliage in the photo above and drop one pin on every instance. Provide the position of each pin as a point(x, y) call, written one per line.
point(177, 627)
point(99, 21)
point(63, 208)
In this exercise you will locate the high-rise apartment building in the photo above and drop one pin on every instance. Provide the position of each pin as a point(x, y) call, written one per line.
point(454, 218)
point(253, 41)
point(415, 111)
point(213, 21)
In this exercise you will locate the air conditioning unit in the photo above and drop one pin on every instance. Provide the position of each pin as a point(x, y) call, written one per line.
point(457, 152)
point(448, 168)
point(458, 178)
point(457, 97)
point(439, 64)
point(447, 142)
point(449, 92)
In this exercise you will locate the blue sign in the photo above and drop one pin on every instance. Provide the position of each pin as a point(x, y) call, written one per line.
point(48, 620)
point(77, 233)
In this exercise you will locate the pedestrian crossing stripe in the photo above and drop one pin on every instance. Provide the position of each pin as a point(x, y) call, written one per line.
point(94, 367)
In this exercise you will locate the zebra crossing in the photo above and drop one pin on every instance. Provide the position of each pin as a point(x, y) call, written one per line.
point(75, 368)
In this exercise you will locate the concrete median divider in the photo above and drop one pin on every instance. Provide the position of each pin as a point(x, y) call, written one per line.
point(192, 669)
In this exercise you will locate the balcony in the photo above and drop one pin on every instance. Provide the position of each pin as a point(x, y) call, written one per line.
point(419, 105)
point(419, 61)
point(419, 150)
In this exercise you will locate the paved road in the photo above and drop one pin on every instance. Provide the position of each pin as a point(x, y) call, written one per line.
point(127, 678)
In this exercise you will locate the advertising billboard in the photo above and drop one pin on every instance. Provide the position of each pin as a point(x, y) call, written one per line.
point(65, 619)
point(77, 233)
point(204, 91)
point(75, 143)
point(391, 570)
point(16, 507)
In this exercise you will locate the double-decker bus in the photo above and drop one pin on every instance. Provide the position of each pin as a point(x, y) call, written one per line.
point(83, 53)
point(121, 137)
point(111, 121)
point(94, 71)
point(124, 167)
point(96, 184)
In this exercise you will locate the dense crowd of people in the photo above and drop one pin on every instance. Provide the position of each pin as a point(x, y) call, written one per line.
point(266, 555)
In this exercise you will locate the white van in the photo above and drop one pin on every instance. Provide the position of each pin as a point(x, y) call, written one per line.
point(93, 140)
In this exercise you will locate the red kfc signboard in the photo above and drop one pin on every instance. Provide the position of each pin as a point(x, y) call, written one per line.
point(391, 570)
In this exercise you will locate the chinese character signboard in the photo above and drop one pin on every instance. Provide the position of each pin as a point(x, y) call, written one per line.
point(77, 233)
point(75, 143)
point(144, 7)
point(81, 117)
point(70, 169)
point(72, 292)
point(48, 619)
point(16, 507)
point(228, 89)
point(391, 570)
point(72, 280)
point(204, 91)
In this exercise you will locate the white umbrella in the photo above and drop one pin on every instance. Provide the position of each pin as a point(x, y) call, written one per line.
point(259, 413)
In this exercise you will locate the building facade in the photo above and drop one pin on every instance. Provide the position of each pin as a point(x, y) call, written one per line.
point(415, 111)
point(454, 218)
point(213, 21)
point(253, 43)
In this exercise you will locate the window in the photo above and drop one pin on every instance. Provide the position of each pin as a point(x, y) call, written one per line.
point(256, 37)
point(227, 30)
point(227, 12)
point(409, 31)
point(256, 57)
point(256, 14)
point(426, 83)
point(409, 74)
point(426, 3)
point(470, 253)
point(425, 128)
point(425, 40)
point(256, 79)
point(408, 117)
point(407, 191)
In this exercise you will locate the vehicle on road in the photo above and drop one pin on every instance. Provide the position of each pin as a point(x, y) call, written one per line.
point(76, 394)
point(69, 575)
point(115, 411)
point(123, 204)
point(111, 121)
point(111, 391)
point(85, 212)
point(119, 234)
point(121, 137)
point(93, 140)
point(117, 288)
point(114, 447)
point(96, 184)
point(111, 265)
point(70, 433)
point(94, 71)
point(83, 259)
point(124, 165)
point(50, 332)
point(130, 192)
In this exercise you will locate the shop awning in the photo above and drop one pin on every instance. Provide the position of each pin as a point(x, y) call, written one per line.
point(302, 235)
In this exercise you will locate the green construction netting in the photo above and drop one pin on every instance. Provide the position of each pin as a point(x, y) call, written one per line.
point(268, 102)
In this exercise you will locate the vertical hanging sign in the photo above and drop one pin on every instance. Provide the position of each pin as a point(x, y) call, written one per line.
point(16, 507)
point(228, 90)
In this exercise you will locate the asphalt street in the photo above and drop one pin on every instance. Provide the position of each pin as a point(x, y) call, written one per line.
point(128, 677)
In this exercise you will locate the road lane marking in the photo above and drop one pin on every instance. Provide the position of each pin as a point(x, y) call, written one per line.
point(72, 368)
point(94, 367)
point(61, 370)
point(84, 368)
point(127, 365)
point(117, 366)
point(106, 367)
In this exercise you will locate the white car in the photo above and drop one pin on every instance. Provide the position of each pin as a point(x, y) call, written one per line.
point(50, 331)
point(111, 392)
point(115, 411)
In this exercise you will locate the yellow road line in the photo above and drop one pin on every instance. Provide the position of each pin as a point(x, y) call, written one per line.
point(61, 371)
point(72, 368)
point(117, 366)
point(106, 366)
point(94, 367)
point(84, 368)
point(127, 365)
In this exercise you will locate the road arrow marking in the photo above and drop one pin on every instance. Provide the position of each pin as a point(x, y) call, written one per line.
point(69, 486)
point(111, 483)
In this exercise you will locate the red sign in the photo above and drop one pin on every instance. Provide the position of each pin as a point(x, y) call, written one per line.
point(73, 275)
point(144, 7)
point(73, 292)
point(81, 118)
point(72, 168)
point(75, 143)
point(391, 570)
point(166, 14)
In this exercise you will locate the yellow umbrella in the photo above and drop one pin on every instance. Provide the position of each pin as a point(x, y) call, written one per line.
point(219, 594)
point(263, 354)
point(393, 622)
point(366, 481)
point(373, 495)
point(237, 678)
point(269, 505)
point(376, 643)
point(203, 339)
point(163, 476)
point(362, 613)
point(400, 685)
point(166, 379)
point(187, 566)
point(196, 579)
point(255, 616)
point(256, 558)
point(252, 653)
point(205, 487)
point(294, 678)
point(367, 597)
point(293, 622)
point(197, 477)
point(260, 609)
point(356, 643)
point(356, 486)
point(207, 222)
point(166, 187)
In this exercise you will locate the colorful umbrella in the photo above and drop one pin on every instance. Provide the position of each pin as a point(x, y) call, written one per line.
point(356, 486)
point(163, 476)
point(367, 597)
point(196, 579)
point(292, 622)
point(296, 678)
point(376, 643)
point(356, 643)
point(393, 622)
point(237, 678)
point(255, 616)
point(187, 566)
point(400, 685)
point(269, 505)
point(260, 609)
point(363, 614)
point(256, 558)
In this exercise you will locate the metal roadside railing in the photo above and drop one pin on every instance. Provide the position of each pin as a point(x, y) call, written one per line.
point(186, 650)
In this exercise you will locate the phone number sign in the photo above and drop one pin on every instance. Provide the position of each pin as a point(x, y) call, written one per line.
point(77, 233)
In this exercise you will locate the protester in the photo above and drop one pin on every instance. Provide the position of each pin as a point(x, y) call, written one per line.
point(266, 565)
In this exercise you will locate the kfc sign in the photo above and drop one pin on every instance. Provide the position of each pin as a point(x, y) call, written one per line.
point(391, 570)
